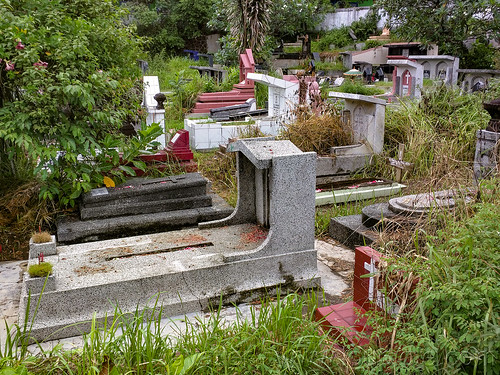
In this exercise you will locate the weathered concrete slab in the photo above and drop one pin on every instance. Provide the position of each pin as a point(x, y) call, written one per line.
point(148, 207)
point(72, 230)
point(185, 270)
point(145, 190)
point(351, 232)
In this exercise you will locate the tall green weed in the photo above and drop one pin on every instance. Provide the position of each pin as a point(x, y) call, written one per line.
point(453, 324)
point(439, 131)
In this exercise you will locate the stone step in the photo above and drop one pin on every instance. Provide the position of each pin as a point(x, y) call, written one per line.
point(143, 190)
point(147, 207)
point(72, 230)
point(351, 231)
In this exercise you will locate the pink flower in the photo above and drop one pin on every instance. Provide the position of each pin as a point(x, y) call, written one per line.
point(9, 65)
point(19, 45)
point(1, 61)
point(40, 64)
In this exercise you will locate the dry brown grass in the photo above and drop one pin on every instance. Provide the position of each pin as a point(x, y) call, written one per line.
point(41, 237)
point(21, 214)
point(319, 131)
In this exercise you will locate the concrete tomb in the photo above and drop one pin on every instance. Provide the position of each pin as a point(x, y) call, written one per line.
point(141, 206)
point(442, 67)
point(487, 156)
point(155, 114)
point(238, 95)
point(267, 242)
point(364, 229)
point(407, 77)
point(366, 116)
point(476, 79)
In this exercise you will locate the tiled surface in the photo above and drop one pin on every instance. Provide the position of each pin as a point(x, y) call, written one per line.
point(347, 320)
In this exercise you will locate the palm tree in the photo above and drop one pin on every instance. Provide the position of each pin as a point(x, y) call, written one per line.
point(249, 22)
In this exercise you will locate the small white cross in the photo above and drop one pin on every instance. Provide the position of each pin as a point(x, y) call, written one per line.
point(370, 267)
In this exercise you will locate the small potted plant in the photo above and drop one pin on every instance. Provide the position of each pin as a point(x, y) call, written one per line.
point(42, 242)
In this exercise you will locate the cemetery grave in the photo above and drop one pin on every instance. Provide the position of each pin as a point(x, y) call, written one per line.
point(142, 205)
point(364, 228)
point(266, 242)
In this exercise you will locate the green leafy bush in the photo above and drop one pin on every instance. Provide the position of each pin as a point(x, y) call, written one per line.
point(453, 325)
point(69, 81)
point(337, 38)
point(356, 87)
point(372, 43)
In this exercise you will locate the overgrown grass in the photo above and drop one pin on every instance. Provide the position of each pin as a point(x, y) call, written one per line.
point(317, 132)
point(280, 336)
point(438, 132)
point(356, 87)
point(220, 169)
point(451, 324)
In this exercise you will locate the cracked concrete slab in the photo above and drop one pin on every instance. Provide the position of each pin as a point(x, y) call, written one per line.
point(335, 265)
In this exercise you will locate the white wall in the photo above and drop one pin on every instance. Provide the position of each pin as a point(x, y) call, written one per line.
point(346, 16)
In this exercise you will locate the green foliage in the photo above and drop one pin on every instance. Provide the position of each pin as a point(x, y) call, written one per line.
point(479, 56)
point(372, 43)
point(289, 19)
point(249, 23)
point(357, 87)
point(454, 325)
point(169, 24)
point(278, 339)
point(69, 80)
point(292, 18)
point(40, 270)
point(366, 26)
point(337, 38)
point(337, 65)
point(447, 24)
point(340, 37)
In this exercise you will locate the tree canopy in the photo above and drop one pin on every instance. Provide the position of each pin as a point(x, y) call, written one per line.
point(68, 80)
point(449, 23)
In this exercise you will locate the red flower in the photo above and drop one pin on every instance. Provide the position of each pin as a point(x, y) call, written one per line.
point(19, 45)
point(41, 64)
point(9, 65)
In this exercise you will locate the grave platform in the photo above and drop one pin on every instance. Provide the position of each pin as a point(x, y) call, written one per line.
point(266, 243)
point(185, 270)
point(407, 211)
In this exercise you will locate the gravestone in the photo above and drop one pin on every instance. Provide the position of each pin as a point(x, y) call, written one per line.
point(366, 117)
point(442, 67)
point(282, 93)
point(155, 114)
point(356, 230)
point(407, 78)
point(347, 322)
point(141, 206)
point(265, 244)
point(469, 78)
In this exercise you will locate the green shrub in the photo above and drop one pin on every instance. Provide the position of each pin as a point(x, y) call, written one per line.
point(40, 270)
point(372, 43)
point(337, 37)
point(356, 87)
point(69, 80)
point(453, 325)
